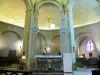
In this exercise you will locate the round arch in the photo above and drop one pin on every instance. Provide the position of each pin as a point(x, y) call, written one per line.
point(55, 37)
point(80, 38)
point(42, 2)
point(11, 40)
point(56, 5)
point(11, 32)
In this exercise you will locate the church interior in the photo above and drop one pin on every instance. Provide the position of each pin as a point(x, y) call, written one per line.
point(49, 37)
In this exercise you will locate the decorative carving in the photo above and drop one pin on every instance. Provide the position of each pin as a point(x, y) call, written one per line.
point(35, 29)
point(64, 31)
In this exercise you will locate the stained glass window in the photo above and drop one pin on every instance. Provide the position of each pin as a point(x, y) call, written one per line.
point(90, 46)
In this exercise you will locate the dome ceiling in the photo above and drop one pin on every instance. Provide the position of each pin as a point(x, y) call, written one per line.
point(51, 11)
point(12, 11)
point(84, 12)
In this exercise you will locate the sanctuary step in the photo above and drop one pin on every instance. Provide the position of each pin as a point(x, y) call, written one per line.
point(34, 72)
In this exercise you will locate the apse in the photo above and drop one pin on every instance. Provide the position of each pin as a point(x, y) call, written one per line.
point(49, 17)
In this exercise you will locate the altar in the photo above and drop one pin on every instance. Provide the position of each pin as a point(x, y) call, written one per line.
point(55, 63)
point(49, 62)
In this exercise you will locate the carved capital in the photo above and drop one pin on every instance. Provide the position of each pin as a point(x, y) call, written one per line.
point(64, 31)
point(35, 29)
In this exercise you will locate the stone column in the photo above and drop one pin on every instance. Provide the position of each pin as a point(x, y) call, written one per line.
point(26, 36)
point(64, 34)
point(30, 32)
point(32, 38)
point(68, 42)
point(72, 36)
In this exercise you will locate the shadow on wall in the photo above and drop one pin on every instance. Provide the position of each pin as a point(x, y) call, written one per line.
point(10, 40)
point(40, 44)
point(55, 45)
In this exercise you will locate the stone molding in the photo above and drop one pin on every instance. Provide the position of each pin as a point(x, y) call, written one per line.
point(64, 31)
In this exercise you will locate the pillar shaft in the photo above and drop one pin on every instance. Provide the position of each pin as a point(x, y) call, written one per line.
point(32, 38)
point(26, 36)
point(64, 35)
point(72, 36)
point(71, 26)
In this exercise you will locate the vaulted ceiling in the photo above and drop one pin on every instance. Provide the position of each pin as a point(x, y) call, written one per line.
point(84, 12)
point(12, 11)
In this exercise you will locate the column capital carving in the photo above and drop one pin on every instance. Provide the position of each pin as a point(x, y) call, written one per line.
point(64, 31)
point(34, 29)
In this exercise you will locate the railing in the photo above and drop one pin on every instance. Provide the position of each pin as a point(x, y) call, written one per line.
point(34, 72)
point(47, 72)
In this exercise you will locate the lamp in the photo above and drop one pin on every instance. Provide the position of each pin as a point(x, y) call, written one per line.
point(48, 49)
point(23, 56)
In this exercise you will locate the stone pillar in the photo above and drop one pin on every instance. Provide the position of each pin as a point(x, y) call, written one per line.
point(65, 44)
point(32, 38)
point(64, 34)
point(69, 55)
point(26, 36)
point(72, 36)
point(30, 33)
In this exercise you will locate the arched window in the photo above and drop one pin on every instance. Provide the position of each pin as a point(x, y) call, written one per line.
point(90, 46)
